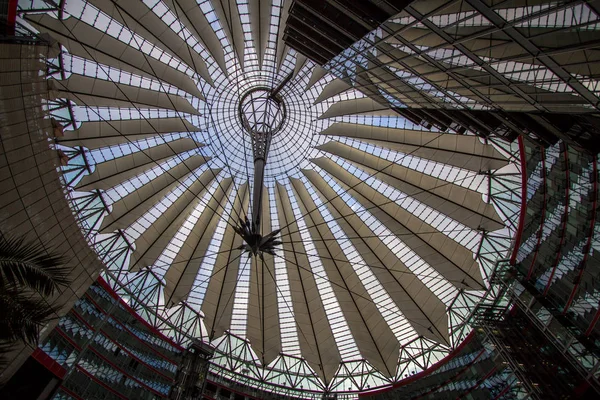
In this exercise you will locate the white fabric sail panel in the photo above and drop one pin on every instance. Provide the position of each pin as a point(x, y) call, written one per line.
point(190, 15)
point(317, 343)
point(442, 7)
point(472, 78)
point(405, 89)
point(132, 206)
point(416, 36)
point(112, 172)
point(97, 134)
point(93, 92)
point(382, 113)
point(300, 61)
point(490, 46)
point(229, 19)
point(374, 338)
point(85, 41)
point(425, 312)
point(459, 203)
point(461, 151)
point(260, 22)
point(150, 244)
point(318, 72)
point(395, 86)
point(218, 301)
point(449, 258)
point(282, 48)
point(185, 266)
point(576, 61)
point(333, 88)
point(352, 107)
point(137, 17)
point(262, 328)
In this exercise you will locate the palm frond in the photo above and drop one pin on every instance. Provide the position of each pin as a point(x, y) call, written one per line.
point(29, 265)
point(22, 316)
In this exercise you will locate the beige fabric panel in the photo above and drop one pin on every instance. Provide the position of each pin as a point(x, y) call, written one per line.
point(218, 301)
point(88, 91)
point(442, 7)
point(260, 22)
point(409, 94)
point(135, 204)
point(282, 48)
point(425, 312)
point(150, 245)
point(351, 107)
point(85, 41)
point(578, 61)
point(317, 343)
point(96, 134)
point(552, 101)
point(300, 61)
point(413, 97)
point(191, 16)
point(137, 17)
point(447, 256)
point(229, 18)
point(186, 264)
point(333, 88)
point(458, 150)
point(395, 86)
point(413, 65)
point(263, 316)
point(112, 172)
point(489, 45)
point(417, 36)
point(374, 338)
point(316, 75)
point(459, 203)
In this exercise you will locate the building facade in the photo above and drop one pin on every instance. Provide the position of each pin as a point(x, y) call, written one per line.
point(32, 201)
point(104, 349)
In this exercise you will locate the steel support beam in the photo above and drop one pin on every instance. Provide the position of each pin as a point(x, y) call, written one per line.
point(534, 51)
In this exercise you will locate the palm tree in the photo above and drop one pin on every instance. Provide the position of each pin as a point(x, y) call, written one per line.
point(29, 275)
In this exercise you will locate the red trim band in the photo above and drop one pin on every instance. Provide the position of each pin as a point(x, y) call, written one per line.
point(590, 237)
point(424, 373)
point(98, 381)
point(542, 217)
point(590, 329)
point(11, 16)
point(106, 335)
point(70, 393)
point(106, 360)
point(51, 365)
point(521, 226)
point(563, 232)
point(154, 330)
point(129, 330)
point(68, 338)
point(478, 384)
point(453, 378)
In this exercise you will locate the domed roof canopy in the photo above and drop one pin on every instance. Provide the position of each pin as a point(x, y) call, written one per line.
point(239, 193)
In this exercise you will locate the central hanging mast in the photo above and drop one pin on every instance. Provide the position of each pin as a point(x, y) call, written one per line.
point(262, 113)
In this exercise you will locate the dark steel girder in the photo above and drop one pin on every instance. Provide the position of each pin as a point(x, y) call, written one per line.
point(481, 63)
point(535, 52)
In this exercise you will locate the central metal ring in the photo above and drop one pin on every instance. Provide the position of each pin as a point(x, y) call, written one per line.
point(261, 112)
